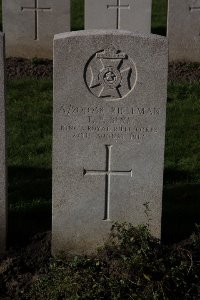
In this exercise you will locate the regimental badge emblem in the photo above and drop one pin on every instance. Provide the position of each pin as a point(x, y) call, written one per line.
point(110, 74)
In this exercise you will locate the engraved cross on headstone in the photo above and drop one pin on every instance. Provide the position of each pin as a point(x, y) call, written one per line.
point(193, 8)
point(118, 7)
point(107, 173)
point(36, 10)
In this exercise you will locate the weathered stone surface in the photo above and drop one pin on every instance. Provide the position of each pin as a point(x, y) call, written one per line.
point(3, 204)
point(184, 30)
point(30, 26)
point(110, 91)
point(133, 15)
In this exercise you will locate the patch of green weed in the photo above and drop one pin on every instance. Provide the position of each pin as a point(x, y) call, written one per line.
point(131, 265)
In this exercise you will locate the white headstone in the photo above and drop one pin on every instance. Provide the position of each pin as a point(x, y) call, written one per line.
point(184, 30)
point(110, 91)
point(133, 15)
point(30, 26)
point(3, 203)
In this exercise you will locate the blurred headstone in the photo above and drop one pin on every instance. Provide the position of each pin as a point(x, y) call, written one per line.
point(30, 26)
point(133, 15)
point(3, 202)
point(184, 30)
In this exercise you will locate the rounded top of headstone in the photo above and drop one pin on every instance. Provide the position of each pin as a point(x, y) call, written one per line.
point(109, 32)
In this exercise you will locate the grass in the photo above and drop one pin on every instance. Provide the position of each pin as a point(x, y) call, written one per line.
point(30, 110)
point(183, 131)
point(29, 158)
point(159, 16)
point(181, 208)
point(77, 14)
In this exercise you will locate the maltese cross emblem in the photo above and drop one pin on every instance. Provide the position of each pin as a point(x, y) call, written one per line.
point(110, 74)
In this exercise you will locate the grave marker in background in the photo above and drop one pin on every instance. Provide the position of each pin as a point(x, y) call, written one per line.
point(110, 91)
point(133, 15)
point(30, 26)
point(184, 30)
point(3, 204)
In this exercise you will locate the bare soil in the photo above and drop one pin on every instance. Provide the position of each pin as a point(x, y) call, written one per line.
point(17, 68)
point(19, 268)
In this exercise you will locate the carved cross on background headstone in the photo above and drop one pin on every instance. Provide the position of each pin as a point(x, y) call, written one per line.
point(118, 8)
point(107, 173)
point(36, 10)
point(193, 8)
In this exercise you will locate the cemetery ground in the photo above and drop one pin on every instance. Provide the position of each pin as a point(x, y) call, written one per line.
point(132, 265)
point(110, 274)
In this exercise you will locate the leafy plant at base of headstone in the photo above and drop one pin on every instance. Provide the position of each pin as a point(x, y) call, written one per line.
point(147, 213)
point(131, 265)
point(195, 237)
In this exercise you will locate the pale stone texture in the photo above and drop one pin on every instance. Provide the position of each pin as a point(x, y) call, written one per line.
point(184, 30)
point(133, 15)
point(3, 204)
point(30, 26)
point(110, 91)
